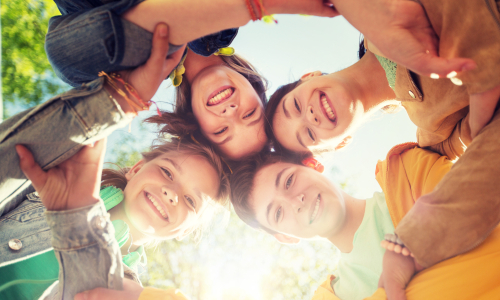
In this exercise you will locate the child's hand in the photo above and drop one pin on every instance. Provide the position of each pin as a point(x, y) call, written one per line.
point(401, 31)
point(131, 291)
point(72, 184)
point(397, 272)
point(482, 107)
point(146, 79)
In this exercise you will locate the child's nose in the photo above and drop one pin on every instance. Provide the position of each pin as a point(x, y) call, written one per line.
point(312, 115)
point(298, 202)
point(170, 195)
point(229, 110)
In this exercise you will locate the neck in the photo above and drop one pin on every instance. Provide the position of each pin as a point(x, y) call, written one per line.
point(355, 211)
point(136, 238)
point(367, 83)
point(195, 63)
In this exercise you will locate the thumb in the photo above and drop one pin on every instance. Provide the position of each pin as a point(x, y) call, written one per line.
point(159, 50)
point(30, 168)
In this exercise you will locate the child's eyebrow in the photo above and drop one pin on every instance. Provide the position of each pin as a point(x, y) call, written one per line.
point(177, 166)
point(278, 177)
point(285, 111)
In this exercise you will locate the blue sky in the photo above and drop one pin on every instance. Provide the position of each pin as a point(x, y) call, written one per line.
point(297, 45)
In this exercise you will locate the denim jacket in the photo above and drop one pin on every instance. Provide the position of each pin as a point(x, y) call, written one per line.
point(54, 131)
point(93, 31)
point(83, 241)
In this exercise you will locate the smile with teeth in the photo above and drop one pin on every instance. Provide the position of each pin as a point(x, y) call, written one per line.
point(328, 109)
point(157, 205)
point(316, 209)
point(220, 97)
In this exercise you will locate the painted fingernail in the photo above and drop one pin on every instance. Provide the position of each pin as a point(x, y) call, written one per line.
point(456, 81)
point(434, 76)
point(451, 74)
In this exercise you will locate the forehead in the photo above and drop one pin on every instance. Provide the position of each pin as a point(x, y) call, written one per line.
point(264, 186)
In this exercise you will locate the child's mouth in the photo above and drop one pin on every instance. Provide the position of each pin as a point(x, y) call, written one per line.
point(316, 208)
point(327, 108)
point(220, 95)
point(158, 206)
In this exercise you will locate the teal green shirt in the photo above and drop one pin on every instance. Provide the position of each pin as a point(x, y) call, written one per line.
point(358, 272)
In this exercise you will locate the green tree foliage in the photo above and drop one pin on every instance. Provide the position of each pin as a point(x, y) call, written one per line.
point(27, 77)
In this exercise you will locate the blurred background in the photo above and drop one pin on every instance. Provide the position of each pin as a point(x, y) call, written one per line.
point(232, 261)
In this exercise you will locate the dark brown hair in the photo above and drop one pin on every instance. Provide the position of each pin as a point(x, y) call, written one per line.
point(242, 184)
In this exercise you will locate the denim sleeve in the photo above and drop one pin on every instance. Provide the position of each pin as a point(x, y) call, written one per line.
point(81, 44)
point(85, 246)
point(53, 132)
point(100, 36)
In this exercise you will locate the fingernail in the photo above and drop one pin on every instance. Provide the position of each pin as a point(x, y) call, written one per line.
point(434, 76)
point(451, 74)
point(19, 153)
point(456, 81)
point(163, 31)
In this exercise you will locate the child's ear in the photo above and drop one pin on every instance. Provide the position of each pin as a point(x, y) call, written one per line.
point(346, 141)
point(286, 239)
point(135, 168)
point(310, 75)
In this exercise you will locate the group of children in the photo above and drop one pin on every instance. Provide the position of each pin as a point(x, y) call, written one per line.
point(223, 142)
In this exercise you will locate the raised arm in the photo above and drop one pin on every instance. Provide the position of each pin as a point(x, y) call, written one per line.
point(401, 31)
point(191, 19)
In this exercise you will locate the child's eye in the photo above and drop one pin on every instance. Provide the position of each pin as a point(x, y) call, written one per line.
point(296, 105)
point(167, 172)
point(289, 182)
point(191, 202)
point(278, 214)
point(220, 131)
point(250, 114)
point(310, 134)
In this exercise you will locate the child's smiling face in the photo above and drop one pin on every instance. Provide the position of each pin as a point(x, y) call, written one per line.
point(297, 201)
point(229, 111)
point(164, 197)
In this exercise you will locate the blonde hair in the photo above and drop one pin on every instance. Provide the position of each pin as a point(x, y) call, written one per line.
point(116, 177)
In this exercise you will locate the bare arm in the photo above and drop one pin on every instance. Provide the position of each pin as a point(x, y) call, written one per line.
point(191, 19)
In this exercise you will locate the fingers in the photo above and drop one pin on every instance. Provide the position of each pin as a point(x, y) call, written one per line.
point(30, 168)
point(436, 67)
point(406, 252)
point(160, 46)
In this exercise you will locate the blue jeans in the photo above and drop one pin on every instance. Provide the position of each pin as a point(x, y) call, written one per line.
point(53, 132)
point(90, 36)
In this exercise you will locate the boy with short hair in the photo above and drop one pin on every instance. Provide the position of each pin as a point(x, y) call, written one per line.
point(293, 202)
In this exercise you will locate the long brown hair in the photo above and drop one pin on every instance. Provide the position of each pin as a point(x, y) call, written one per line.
point(189, 146)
